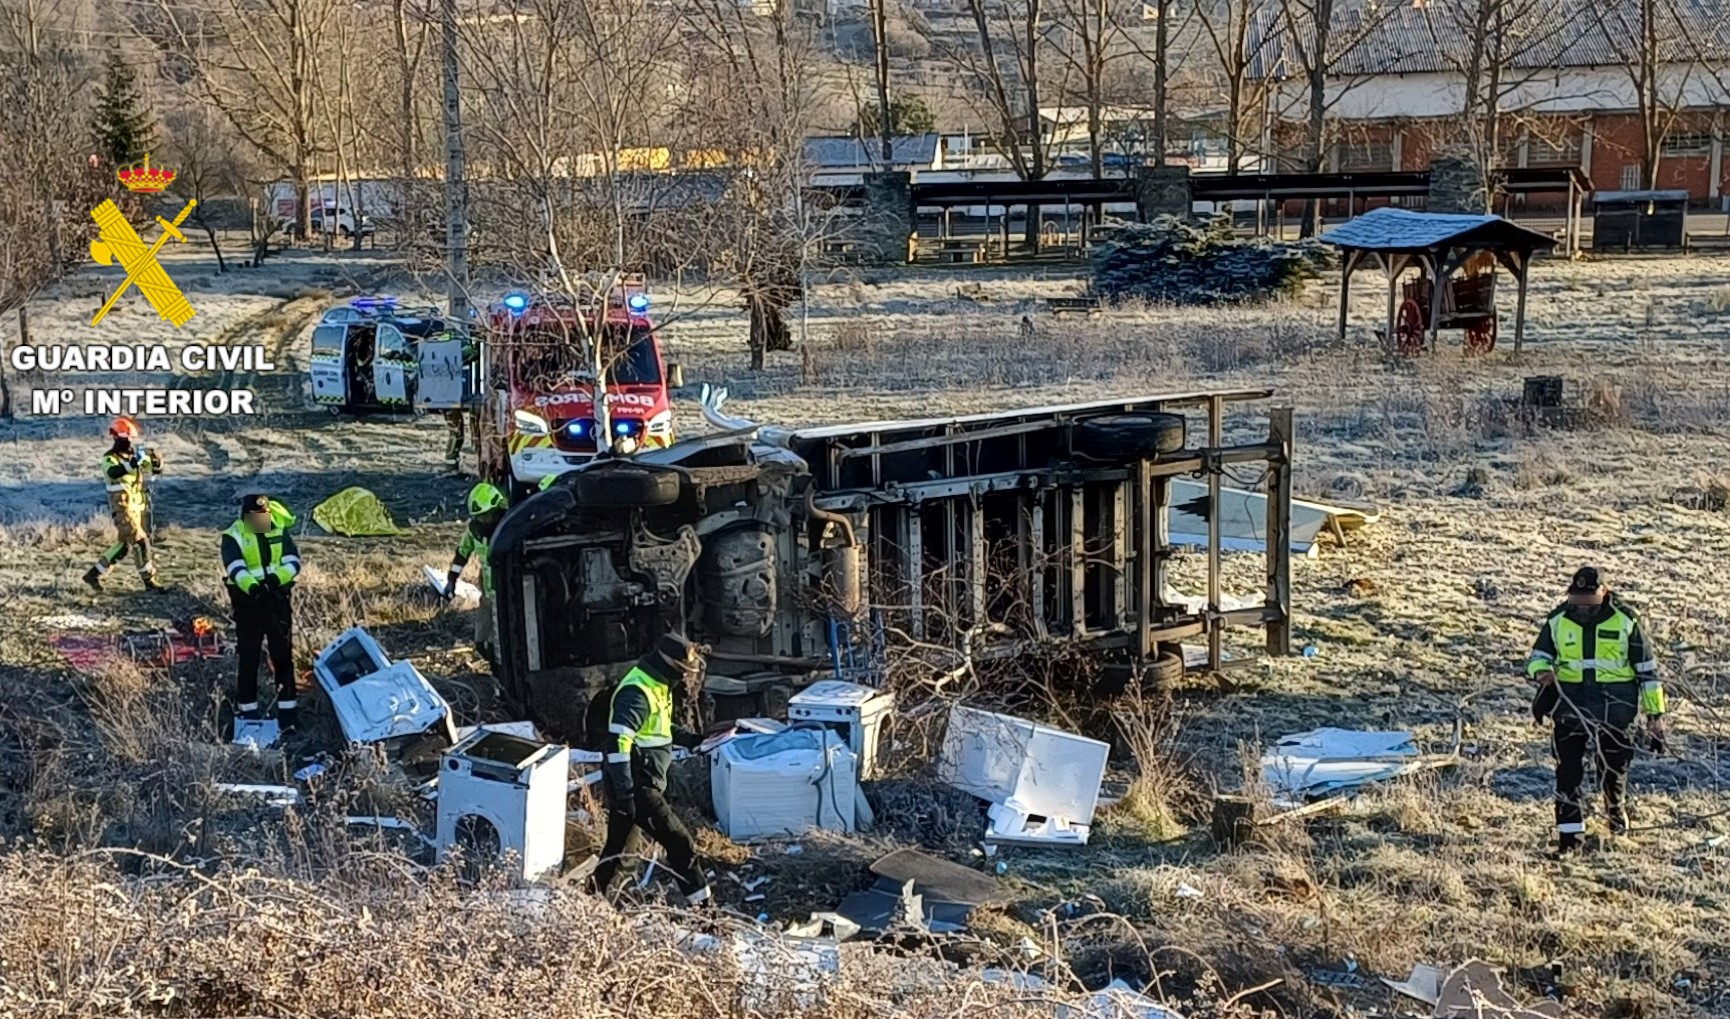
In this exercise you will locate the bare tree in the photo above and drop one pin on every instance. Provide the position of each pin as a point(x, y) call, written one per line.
point(1238, 54)
point(45, 210)
point(1004, 67)
point(1093, 36)
point(1324, 49)
point(1497, 48)
point(207, 165)
point(759, 81)
point(1657, 49)
point(257, 61)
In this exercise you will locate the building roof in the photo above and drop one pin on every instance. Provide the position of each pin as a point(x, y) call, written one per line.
point(1396, 230)
point(1371, 37)
point(849, 152)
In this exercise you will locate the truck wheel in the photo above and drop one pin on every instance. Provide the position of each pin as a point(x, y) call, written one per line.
point(627, 486)
point(1129, 436)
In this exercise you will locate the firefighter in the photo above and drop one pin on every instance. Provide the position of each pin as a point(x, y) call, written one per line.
point(486, 509)
point(1595, 672)
point(639, 744)
point(124, 471)
point(260, 565)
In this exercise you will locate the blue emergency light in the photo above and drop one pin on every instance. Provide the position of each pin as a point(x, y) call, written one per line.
point(624, 426)
point(516, 303)
point(638, 303)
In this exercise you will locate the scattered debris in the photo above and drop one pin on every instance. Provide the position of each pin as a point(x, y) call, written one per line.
point(273, 795)
point(356, 513)
point(1337, 978)
point(70, 621)
point(825, 925)
point(1118, 1000)
point(890, 906)
point(500, 794)
point(521, 730)
point(784, 784)
point(1043, 782)
point(1243, 519)
point(939, 878)
point(1185, 891)
point(182, 642)
point(468, 596)
point(376, 699)
point(1321, 761)
point(1425, 984)
point(1474, 991)
point(309, 772)
point(257, 733)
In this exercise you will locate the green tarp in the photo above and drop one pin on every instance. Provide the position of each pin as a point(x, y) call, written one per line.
point(356, 513)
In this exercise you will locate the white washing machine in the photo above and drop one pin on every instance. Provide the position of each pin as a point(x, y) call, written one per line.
point(784, 783)
point(503, 797)
point(856, 711)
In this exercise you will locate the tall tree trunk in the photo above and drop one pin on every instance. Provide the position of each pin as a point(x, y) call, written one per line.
point(1161, 90)
point(1318, 80)
point(880, 37)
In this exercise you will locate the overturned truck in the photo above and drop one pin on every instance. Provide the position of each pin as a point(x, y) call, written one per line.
point(792, 553)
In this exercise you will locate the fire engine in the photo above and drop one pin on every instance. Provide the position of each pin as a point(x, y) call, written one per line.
point(531, 382)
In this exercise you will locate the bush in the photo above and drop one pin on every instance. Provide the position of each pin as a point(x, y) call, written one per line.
point(1176, 261)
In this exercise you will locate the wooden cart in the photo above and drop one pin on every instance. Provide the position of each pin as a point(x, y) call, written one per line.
point(1468, 303)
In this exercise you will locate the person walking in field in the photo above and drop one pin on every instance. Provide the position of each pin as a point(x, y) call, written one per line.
point(260, 565)
point(1596, 674)
point(124, 472)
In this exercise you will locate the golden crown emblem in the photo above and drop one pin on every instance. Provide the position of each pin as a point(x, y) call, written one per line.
point(143, 178)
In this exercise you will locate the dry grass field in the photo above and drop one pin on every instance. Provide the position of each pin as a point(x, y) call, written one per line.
point(131, 888)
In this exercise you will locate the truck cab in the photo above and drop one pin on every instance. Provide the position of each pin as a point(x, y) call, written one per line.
point(371, 355)
point(541, 353)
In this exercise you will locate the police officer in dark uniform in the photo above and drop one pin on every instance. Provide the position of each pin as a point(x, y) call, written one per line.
point(640, 740)
point(1595, 674)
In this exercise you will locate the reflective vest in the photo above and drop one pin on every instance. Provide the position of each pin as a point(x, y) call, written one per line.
point(249, 570)
point(131, 484)
point(657, 727)
point(470, 544)
point(1609, 652)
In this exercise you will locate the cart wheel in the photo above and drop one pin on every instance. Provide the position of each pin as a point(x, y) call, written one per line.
point(1409, 334)
point(1481, 336)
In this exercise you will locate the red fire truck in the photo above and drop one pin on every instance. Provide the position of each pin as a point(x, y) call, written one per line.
point(538, 415)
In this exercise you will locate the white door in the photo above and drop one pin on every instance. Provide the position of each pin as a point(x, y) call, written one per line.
point(393, 361)
point(442, 378)
point(328, 364)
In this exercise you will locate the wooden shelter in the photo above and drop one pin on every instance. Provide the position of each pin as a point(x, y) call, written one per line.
point(1455, 256)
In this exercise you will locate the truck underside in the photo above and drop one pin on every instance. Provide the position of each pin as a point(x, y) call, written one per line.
point(791, 553)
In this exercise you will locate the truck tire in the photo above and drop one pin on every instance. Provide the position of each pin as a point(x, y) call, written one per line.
point(1129, 436)
point(627, 486)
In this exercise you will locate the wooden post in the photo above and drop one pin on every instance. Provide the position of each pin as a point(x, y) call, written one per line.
point(1145, 543)
point(1393, 265)
point(1523, 263)
point(1439, 273)
point(1346, 268)
point(1281, 434)
point(1215, 438)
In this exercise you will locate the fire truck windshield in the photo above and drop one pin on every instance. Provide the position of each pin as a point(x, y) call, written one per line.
point(629, 352)
point(546, 358)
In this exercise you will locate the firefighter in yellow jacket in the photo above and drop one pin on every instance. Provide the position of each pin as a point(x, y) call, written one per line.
point(124, 472)
point(487, 507)
point(1596, 674)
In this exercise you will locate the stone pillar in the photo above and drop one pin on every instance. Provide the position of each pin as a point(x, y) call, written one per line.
point(1162, 191)
point(1457, 185)
point(890, 226)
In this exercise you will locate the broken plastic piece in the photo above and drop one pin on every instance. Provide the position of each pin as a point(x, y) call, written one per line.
point(274, 795)
point(257, 733)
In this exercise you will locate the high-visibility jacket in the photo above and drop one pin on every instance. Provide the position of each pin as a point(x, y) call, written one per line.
point(123, 475)
point(1601, 658)
point(470, 544)
point(642, 714)
point(248, 557)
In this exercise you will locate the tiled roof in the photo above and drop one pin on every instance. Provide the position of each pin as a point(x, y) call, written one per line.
point(1390, 229)
point(1371, 37)
point(907, 150)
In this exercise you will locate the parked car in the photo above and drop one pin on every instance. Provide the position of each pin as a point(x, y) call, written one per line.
point(331, 219)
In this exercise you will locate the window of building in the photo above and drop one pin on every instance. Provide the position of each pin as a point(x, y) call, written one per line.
point(1558, 152)
point(1363, 157)
point(1631, 177)
point(1687, 145)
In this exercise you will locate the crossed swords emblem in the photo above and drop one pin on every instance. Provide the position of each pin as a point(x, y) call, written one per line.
point(119, 242)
